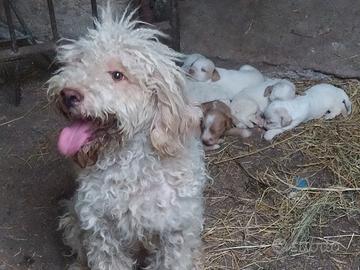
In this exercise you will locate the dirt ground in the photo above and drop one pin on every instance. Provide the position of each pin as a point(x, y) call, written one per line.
point(33, 180)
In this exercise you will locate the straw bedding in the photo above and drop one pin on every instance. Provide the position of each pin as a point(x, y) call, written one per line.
point(257, 218)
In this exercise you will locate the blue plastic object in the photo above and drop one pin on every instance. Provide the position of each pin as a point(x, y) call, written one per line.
point(302, 183)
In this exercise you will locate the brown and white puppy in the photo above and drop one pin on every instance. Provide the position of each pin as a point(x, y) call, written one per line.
point(218, 121)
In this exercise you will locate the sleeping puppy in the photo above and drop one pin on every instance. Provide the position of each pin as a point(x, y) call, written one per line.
point(249, 104)
point(217, 121)
point(281, 90)
point(190, 60)
point(203, 69)
point(201, 92)
point(322, 100)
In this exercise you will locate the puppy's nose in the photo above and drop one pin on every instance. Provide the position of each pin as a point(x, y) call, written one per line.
point(191, 71)
point(71, 97)
point(208, 142)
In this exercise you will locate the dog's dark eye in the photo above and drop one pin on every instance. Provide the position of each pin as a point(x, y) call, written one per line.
point(203, 70)
point(117, 75)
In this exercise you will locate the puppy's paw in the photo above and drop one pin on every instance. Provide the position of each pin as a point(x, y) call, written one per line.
point(245, 133)
point(260, 122)
point(242, 132)
point(250, 124)
point(210, 148)
point(269, 135)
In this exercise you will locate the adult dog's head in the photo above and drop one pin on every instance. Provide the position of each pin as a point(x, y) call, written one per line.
point(118, 81)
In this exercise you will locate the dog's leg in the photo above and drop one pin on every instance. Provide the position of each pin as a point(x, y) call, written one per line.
point(105, 249)
point(104, 252)
point(73, 235)
point(93, 249)
point(180, 251)
point(270, 134)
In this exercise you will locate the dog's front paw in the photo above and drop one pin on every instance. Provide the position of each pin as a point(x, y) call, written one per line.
point(269, 135)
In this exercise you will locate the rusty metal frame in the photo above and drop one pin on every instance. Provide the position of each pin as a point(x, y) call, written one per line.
point(16, 52)
point(11, 50)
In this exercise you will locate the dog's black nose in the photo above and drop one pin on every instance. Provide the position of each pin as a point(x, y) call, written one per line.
point(71, 97)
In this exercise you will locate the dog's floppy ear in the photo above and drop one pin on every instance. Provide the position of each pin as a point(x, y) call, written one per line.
point(174, 120)
point(285, 118)
point(215, 76)
point(268, 91)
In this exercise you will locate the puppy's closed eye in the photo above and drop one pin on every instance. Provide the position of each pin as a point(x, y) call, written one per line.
point(203, 70)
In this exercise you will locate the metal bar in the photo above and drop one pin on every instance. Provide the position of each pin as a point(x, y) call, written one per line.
point(9, 55)
point(22, 23)
point(174, 22)
point(94, 10)
point(10, 25)
point(17, 90)
point(53, 20)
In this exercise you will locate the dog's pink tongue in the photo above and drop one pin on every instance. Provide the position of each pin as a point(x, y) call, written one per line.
point(72, 138)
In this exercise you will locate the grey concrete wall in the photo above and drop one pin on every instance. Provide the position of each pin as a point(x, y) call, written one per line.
point(73, 16)
point(321, 35)
point(313, 34)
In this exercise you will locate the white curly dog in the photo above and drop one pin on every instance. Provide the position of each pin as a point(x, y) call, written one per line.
point(140, 191)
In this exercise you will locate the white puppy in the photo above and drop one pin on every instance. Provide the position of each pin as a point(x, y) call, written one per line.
point(201, 92)
point(249, 104)
point(322, 100)
point(201, 69)
point(237, 80)
point(190, 60)
point(204, 70)
point(281, 90)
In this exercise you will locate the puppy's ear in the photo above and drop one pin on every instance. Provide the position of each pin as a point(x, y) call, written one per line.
point(206, 106)
point(346, 110)
point(268, 91)
point(228, 123)
point(285, 117)
point(215, 76)
point(233, 120)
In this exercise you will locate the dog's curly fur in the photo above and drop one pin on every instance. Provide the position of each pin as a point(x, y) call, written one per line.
point(145, 192)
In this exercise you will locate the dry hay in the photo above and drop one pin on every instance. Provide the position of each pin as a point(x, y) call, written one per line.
point(270, 219)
